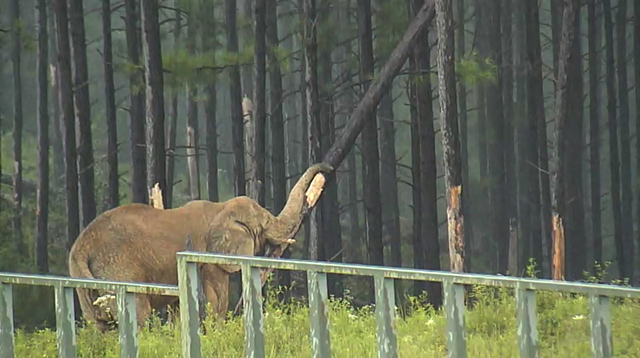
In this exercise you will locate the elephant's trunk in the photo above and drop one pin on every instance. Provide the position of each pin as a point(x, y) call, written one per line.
point(288, 222)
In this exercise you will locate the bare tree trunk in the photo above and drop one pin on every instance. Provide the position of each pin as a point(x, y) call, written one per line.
point(173, 124)
point(636, 63)
point(156, 170)
point(306, 35)
point(83, 106)
point(561, 112)
point(16, 59)
point(113, 198)
point(42, 211)
point(625, 139)
point(56, 132)
point(313, 113)
point(235, 95)
point(370, 163)
point(480, 42)
point(193, 138)
point(450, 135)
point(137, 107)
point(259, 97)
point(66, 99)
point(614, 160)
point(595, 43)
point(210, 108)
point(533, 161)
point(576, 260)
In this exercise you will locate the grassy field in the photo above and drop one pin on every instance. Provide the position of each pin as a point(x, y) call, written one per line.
point(563, 328)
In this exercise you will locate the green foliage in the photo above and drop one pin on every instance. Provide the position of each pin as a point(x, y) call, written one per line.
point(491, 332)
point(473, 70)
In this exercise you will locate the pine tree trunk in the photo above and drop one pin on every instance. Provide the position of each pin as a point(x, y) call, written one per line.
point(450, 135)
point(137, 106)
point(235, 95)
point(576, 260)
point(210, 108)
point(595, 43)
point(66, 99)
point(533, 161)
point(259, 97)
point(56, 131)
point(496, 139)
point(625, 139)
point(480, 44)
point(193, 138)
point(83, 106)
point(113, 198)
point(636, 63)
point(561, 113)
point(614, 161)
point(16, 60)
point(173, 124)
point(42, 211)
point(156, 165)
point(370, 154)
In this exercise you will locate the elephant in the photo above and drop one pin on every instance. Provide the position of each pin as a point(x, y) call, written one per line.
point(138, 243)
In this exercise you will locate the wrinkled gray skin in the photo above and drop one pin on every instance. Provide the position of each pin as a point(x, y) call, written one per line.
point(138, 243)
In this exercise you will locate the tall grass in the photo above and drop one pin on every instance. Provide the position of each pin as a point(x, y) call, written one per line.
point(563, 328)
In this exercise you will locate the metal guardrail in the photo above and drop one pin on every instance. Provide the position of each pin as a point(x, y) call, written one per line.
point(65, 323)
point(453, 287)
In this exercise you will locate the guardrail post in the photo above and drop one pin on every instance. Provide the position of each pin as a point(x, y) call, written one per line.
point(385, 306)
point(189, 308)
point(454, 319)
point(252, 315)
point(601, 342)
point(127, 323)
point(65, 323)
point(526, 322)
point(318, 309)
point(6, 321)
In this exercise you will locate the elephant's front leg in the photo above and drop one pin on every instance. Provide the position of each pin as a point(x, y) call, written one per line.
point(215, 284)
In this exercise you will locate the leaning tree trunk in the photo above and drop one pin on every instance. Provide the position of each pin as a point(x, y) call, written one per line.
point(235, 97)
point(156, 170)
point(137, 106)
point(614, 161)
point(560, 116)
point(113, 199)
point(595, 43)
point(16, 59)
point(83, 106)
point(42, 211)
point(66, 99)
point(625, 139)
point(450, 135)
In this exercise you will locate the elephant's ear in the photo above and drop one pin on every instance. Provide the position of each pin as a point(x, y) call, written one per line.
point(229, 238)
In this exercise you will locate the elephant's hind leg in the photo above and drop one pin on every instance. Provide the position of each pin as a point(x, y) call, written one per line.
point(215, 283)
point(143, 309)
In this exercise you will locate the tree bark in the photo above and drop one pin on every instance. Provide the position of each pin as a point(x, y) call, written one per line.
point(370, 154)
point(560, 116)
point(210, 108)
point(113, 198)
point(83, 107)
point(173, 124)
point(614, 161)
point(16, 60)
point(535, 108)
point(259, 97)
point(156, 165)
point(574, 144)
point(450, 135)
point(480, 43)
point(56, 135)
point(42, 210)
point(636, 63)
point(66, 99)
point(193, 138)
point(137, 106)
point(594, 10)
point(235, 95)
point(416, 189)
point(625, 139)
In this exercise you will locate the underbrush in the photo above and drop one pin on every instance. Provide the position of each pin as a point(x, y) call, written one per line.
point(563, 330)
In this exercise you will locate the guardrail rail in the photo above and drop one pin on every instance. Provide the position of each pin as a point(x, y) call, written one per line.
point(453, 287)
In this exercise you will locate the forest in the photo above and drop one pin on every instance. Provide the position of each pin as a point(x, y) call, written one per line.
point(503, 142)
